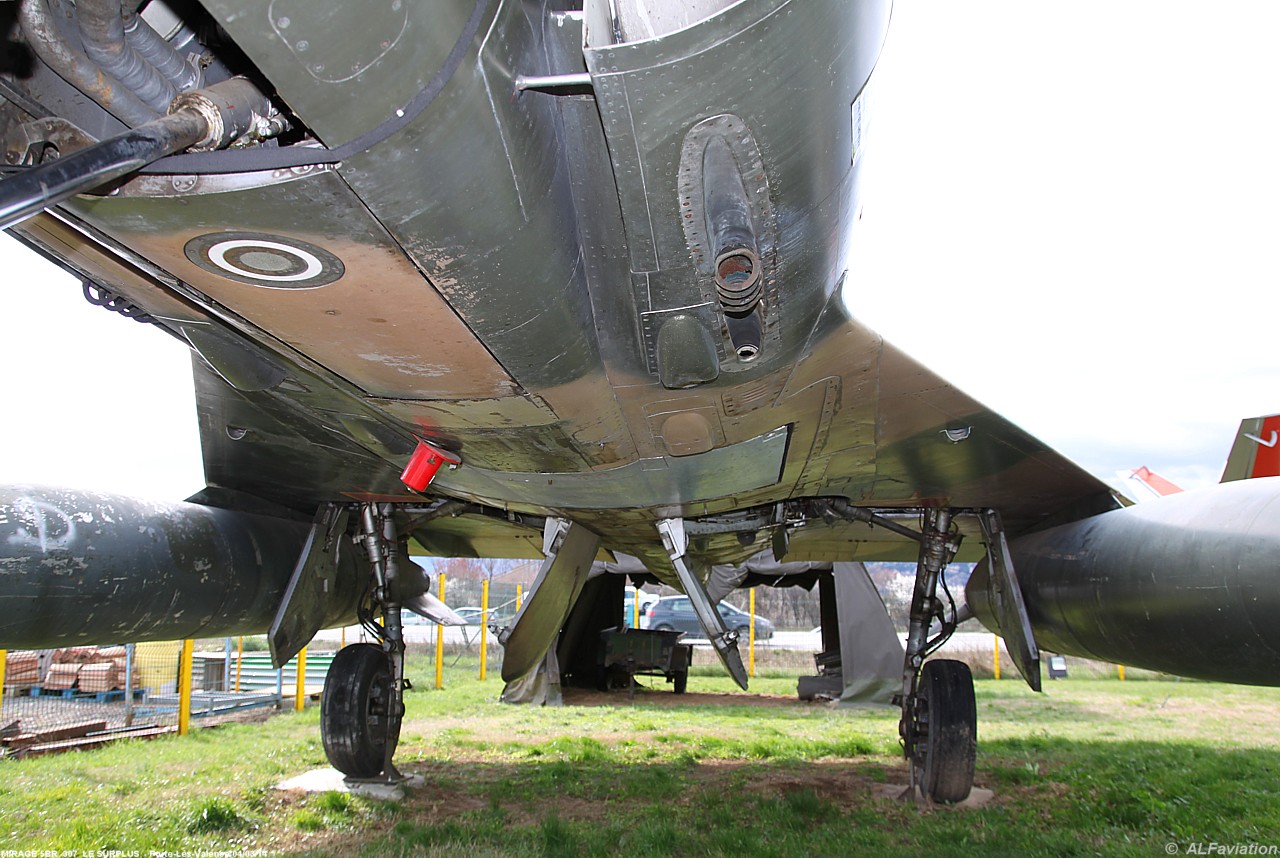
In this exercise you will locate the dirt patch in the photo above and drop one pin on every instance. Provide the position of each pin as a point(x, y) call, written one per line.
point(650, 697)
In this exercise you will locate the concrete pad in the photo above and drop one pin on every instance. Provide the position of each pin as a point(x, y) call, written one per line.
point(902, 792)
point(332, 780)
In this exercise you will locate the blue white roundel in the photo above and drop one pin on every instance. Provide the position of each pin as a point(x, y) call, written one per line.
point(260, 259)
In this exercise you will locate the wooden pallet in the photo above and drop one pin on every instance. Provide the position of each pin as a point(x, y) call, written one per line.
point(86, 734)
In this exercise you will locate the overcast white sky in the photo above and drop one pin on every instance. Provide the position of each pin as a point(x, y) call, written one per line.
point(1070, 212)
point(1073, 213)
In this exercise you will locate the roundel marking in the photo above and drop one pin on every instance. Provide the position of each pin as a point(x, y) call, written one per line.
point(260, 259)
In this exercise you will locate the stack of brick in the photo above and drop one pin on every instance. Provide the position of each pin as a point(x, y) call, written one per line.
point(88, 668)
point(76, 655)
point(22, 670)
point(99, 676)
point(119, 656)
point(62, 676)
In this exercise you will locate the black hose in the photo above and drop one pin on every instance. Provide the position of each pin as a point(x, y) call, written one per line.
point(28, 193)
point(73, 66)
point(155, 50)
point(102, 31)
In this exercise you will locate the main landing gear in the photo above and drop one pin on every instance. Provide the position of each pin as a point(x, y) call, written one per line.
point(939, 726)
point(363, 702)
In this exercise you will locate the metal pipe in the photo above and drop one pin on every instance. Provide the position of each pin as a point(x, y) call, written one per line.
point(73, 66)
point(101, 24)
point(853, 513)
point(205, 119)
point(31, 192)
point(746, 334)
point(553, 81)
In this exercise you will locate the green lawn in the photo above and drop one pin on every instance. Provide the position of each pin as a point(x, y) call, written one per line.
point(1090, 767)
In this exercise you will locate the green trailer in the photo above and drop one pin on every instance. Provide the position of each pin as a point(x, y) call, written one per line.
point(626, 653)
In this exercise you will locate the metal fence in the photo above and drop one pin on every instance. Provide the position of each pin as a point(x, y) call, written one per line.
point(81, 696)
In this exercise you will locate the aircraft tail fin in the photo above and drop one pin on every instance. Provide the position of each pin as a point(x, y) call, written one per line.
point(1143, 484)
point(1255, 452)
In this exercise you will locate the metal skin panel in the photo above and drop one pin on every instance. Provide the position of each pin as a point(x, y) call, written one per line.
point(378, 325)
point(500, 255)
point(328, 70)
point(551, 597)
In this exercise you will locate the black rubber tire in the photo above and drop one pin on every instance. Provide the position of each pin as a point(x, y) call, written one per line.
point(354, 710)
point(947, 751)
point(664, 628)
point(680, 679)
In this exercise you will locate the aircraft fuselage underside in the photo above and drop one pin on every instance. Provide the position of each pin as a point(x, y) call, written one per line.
point(616, 302)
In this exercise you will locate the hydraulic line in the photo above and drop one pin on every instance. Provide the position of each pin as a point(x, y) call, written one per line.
point(73, 66)
point(102, 31)
point(152, 47)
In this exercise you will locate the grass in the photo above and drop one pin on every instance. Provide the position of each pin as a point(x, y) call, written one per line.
point(1092, 766)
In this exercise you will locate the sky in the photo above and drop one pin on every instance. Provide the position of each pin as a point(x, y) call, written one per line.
point(1071, 211)
point(1071, 214)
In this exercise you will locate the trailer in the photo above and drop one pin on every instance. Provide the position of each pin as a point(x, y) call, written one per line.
point(627, 653)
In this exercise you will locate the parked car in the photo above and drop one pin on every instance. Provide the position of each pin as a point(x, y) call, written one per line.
point(646, 599)
point(472, 613)
point(675, 613)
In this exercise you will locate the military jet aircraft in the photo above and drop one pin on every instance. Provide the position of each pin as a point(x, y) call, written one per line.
point(544, 280)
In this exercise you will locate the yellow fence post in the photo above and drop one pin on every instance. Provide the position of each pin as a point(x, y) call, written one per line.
point(519, 597)
point(635, 609)
point(239, 661)
point(995, 654)
point(4, 657)
point(484, 628)
point(1120, 670)
point(300, 687)
point(440, 642)
point(751, 634)
point(184, 687)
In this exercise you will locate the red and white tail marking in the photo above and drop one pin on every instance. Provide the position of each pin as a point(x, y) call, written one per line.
point(1256, 452)
point(1143, 484)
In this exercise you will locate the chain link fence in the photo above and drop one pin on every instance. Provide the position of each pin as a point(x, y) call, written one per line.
point(59, 699)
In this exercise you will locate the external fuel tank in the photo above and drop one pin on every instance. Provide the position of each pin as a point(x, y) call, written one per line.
point(1188, 584)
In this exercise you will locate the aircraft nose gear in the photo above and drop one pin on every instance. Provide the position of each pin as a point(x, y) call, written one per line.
point(363, 702)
